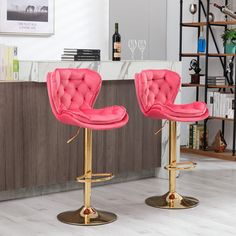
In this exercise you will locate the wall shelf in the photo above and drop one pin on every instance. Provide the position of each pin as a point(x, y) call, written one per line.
point(209, 86)
point(221, 86)
point(215, 23)
point(219, 118)
point(210, 153)
point(192, 85)
point(190, 54)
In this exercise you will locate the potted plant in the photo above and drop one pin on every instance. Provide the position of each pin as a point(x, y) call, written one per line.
point(229, 39)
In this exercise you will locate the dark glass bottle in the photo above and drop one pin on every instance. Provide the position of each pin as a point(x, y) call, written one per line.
point(116, 44)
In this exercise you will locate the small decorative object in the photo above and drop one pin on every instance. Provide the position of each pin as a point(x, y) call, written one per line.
point(193, 9)
point(211, 17)
point(194, 65)
point(219, 144)
point(229, 40)
point(29, 17)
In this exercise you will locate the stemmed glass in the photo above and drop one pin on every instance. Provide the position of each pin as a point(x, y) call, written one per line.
point(193, 9)
point(142, 45)
point(132, 46)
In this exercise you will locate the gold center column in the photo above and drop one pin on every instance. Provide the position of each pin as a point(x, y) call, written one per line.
point(172, 155)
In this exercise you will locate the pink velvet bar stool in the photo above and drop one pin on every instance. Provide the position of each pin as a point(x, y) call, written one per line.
point(156, 92)
point(72, 94)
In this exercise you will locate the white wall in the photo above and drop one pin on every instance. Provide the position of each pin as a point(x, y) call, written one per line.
point(140, 19)
point(190, 45)
point(78, 24)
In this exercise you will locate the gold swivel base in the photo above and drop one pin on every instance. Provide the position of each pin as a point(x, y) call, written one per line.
point(86, 217)
point(172, 201)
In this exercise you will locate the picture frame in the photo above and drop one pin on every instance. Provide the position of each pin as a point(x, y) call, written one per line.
point(27, 17)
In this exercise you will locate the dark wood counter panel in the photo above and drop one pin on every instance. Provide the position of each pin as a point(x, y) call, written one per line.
point(33, 148)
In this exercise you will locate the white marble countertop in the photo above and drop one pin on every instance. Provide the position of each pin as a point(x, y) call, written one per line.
point(36, 71)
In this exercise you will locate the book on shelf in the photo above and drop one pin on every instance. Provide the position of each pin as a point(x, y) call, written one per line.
point(216, 80)
point(230, 106)
point(16, 66)
point(210, 101)
point(9, 64)
point(196, 136)
point(220, 104)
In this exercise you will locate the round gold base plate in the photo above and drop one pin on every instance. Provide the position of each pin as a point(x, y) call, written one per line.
point(181, 202)
point(75, 218)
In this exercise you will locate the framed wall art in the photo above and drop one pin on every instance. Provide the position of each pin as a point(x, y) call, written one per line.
point(30, 17)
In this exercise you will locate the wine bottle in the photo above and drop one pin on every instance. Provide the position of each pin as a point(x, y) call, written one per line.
point(202, 41)
point(225, 10)
point(116, 44)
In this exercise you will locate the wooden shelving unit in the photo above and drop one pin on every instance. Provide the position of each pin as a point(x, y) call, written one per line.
point(203, 13)
point(209, 86)
point(210, 153)
point(221, 86)
point(209, 55)
point(219, 118)
point(215, 23)
point(192, 85)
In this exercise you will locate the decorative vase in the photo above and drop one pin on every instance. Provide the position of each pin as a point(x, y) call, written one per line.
point(230, 48)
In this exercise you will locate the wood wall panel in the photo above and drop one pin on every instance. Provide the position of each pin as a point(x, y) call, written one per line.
point(33, 144)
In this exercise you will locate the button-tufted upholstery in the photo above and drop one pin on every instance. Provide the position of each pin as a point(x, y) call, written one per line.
point(72, 94)
point(156, 92)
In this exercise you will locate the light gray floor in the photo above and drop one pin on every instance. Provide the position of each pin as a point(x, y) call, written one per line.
point(213, 182)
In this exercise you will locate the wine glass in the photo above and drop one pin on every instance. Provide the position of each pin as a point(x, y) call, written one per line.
point(193, 9)
point(132, 43)
point(142, 45)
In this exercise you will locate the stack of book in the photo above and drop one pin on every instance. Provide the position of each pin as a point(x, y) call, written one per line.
point(73, 54)
point(9, 64)
point(196, 136)
point(221, 104)
point(216, 80)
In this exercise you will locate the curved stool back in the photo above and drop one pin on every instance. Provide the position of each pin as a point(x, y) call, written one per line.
point(156, 87)
point(72, 89)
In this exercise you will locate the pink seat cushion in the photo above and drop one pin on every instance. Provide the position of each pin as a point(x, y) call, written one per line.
point(185, 112)
point(99, 116)
point(72, 94)
point(156, 92)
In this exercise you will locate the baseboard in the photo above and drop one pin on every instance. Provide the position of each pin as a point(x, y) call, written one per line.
point(56, 188)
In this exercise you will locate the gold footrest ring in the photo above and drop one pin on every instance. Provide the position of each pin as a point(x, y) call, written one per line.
point(76, 218)
point(98, 178)
point(181, 166)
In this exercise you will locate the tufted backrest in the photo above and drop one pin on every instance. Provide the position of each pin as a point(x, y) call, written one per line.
point(156, 87)
point(72, 89)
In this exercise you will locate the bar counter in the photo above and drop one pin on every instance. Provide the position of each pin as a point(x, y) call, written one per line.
point(34, 156)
